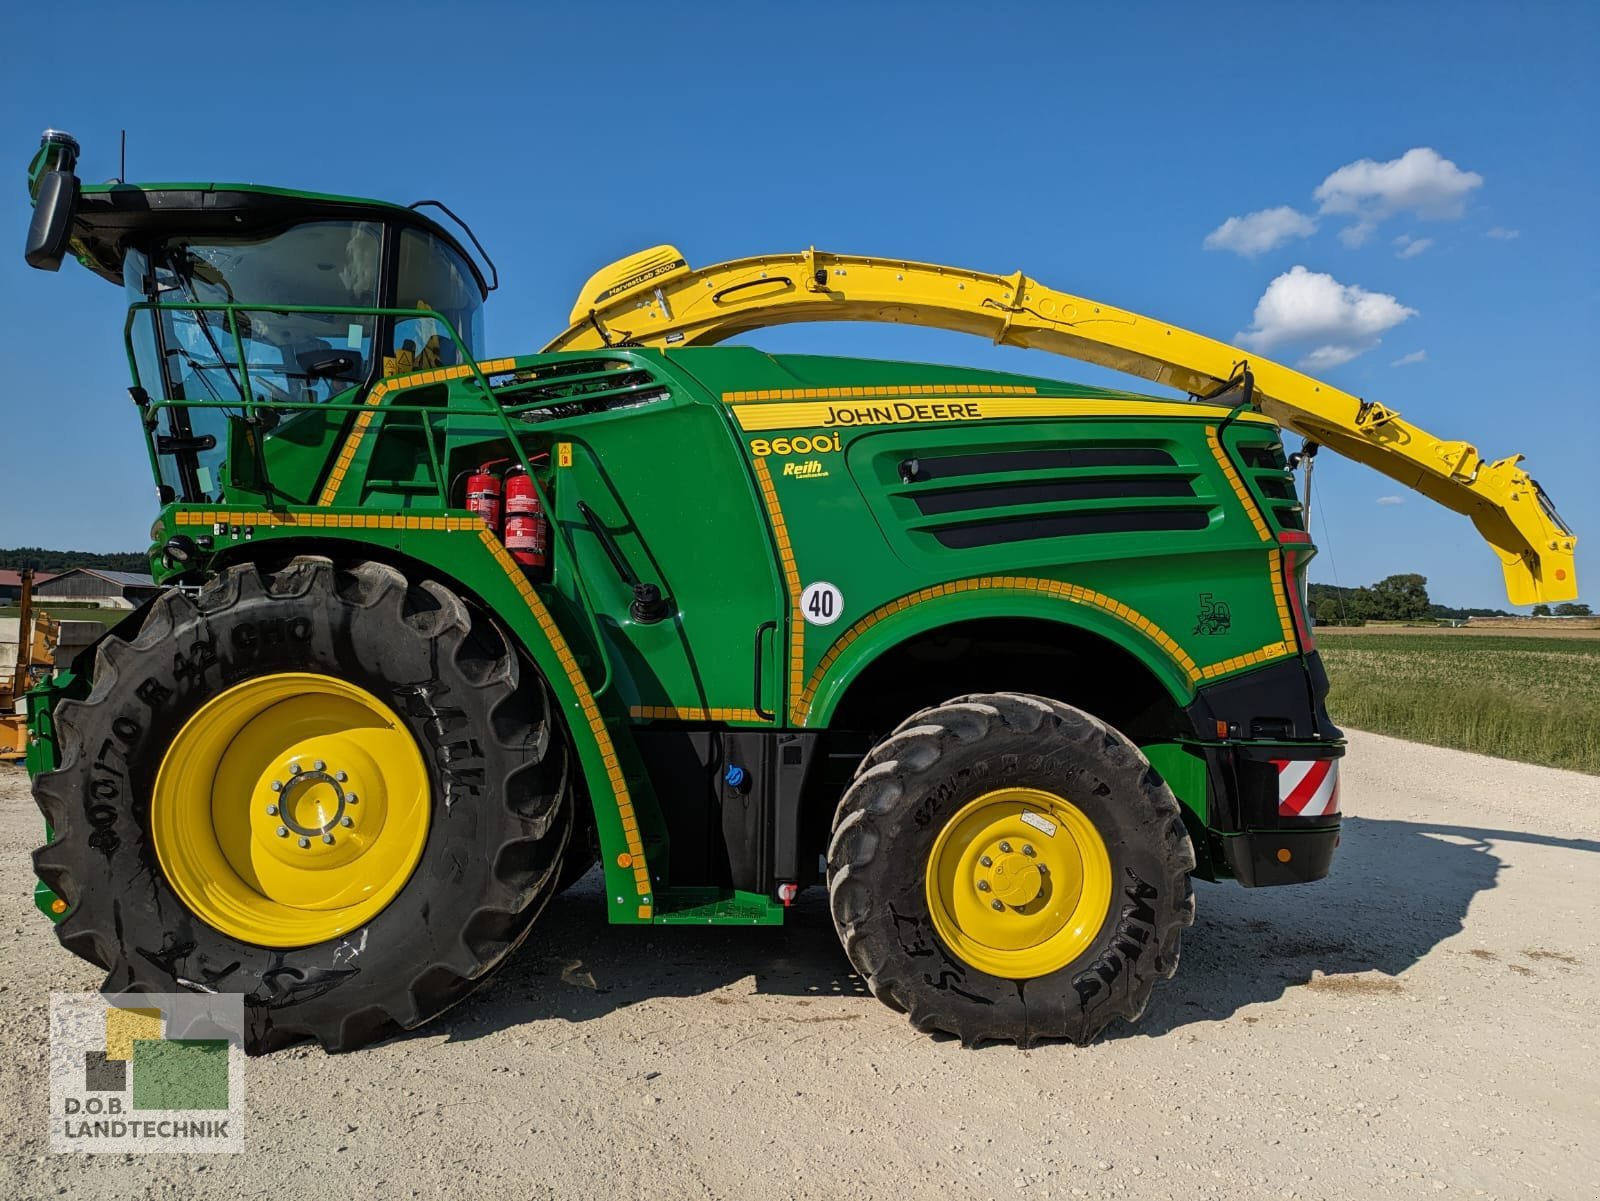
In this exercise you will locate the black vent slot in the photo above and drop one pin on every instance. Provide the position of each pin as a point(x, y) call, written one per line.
point(1059, 525)
point(984, 462)
point(1276, 487)
point(957, 500)
point(1288, 517)
point(1263, 456)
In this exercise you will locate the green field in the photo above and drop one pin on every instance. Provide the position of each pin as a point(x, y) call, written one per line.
point(1528, 698)
point(106, 617)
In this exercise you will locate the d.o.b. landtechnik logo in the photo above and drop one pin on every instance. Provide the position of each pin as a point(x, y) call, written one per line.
point(147, 1072)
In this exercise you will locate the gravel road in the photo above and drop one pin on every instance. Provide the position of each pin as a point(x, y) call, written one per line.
point(1424, 1023)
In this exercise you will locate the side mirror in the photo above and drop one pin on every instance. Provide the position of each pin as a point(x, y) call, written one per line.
point(54, 189)
point(51, 228)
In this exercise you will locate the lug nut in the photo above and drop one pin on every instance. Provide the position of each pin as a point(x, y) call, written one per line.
point(983, 886)
point(351, 798)
point(272, 811)
point(1005, 848)
point(348, 822)
point(986, 861)
point(277, 786)
point(340, 776)
point(304, 843)
point(318, 765)
point(997, 906)
point(328, 838)
point(1027, 849)
point(283, 832)
point(295, 769)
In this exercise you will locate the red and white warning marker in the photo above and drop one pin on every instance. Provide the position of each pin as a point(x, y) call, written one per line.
point(1307, 787)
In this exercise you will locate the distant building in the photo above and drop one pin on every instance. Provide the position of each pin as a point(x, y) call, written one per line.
point(94, 586)
point(11, 585)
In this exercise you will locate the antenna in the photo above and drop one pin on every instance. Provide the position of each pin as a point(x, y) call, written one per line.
point(122, 166)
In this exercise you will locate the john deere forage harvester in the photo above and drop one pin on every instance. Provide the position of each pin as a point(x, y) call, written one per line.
point(1000, 661)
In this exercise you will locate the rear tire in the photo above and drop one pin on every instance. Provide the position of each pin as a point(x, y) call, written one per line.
point(496, 800)
point(905, 815)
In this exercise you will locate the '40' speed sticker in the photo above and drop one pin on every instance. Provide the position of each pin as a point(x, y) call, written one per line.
point(821, 603)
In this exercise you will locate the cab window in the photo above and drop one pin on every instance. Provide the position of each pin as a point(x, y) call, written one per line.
point(432, 276)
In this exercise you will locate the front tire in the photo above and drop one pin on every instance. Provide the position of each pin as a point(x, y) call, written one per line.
point(1006, 867)
point(335, 791)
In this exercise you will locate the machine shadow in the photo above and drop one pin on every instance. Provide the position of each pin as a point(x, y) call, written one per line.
point(575, 966)
point(1398, 890)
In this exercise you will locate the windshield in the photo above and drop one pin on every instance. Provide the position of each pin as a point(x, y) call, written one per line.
point(193, 355)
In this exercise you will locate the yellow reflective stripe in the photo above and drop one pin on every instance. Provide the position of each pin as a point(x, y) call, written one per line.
point(305, 520)
point(769, 415)
point(1273, 650)
point(1071, 593)
point(591, 713)
point(676, 713)
point(864, 391)
point(1239, 489)
point(791, 582)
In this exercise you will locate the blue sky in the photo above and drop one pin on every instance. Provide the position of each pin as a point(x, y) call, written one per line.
point(1097, 147)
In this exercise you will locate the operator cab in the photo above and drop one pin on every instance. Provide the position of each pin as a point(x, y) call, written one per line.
point(244, 296)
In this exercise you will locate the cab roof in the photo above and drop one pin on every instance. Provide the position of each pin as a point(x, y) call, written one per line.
point(110, 215)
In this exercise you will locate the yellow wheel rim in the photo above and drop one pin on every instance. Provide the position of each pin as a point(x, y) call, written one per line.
point(290, 809)
point(1019, 883)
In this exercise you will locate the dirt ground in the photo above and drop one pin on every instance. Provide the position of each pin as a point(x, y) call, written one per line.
point(1423, 1023)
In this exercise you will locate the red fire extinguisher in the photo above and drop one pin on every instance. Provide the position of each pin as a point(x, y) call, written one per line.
point(483, 495)
point(527, 534)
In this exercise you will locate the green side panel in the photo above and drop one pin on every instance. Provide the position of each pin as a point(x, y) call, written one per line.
point(1183, 767)
point(1132, 511)
point(43, 754)
point(666, 485)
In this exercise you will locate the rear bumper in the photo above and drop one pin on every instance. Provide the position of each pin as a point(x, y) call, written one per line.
point(1272, 796)
point(1276, 810)
point(1261, 857)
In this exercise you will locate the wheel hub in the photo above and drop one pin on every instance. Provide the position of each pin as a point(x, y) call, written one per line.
point(309, 805)
point(1013, 879)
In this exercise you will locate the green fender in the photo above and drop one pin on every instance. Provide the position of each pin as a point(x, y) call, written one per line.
point(861, 645)
point(459, 551)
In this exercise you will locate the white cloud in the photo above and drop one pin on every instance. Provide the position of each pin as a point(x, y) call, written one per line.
point(1407, 247)
point(1310, 308)
point(1324, 358)
point(1502, 233)
point(1407, 360)
point(1420, 181)
point(1391, 500)
point(1357, 234)
point(1257, 233)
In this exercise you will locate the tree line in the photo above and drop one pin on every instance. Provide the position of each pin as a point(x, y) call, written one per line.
point(57, 561)
point(1404, 598)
